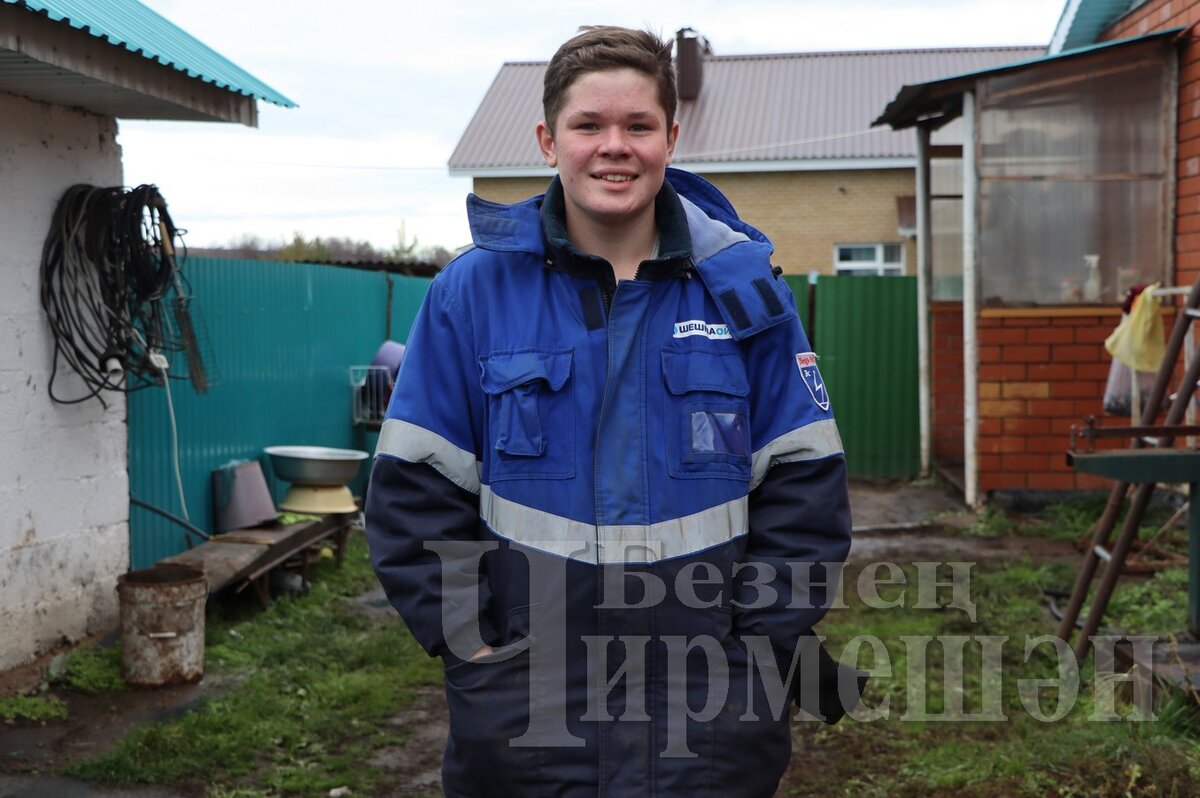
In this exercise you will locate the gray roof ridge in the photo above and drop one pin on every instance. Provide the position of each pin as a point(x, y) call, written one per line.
point(991, 48)
point(886, 51)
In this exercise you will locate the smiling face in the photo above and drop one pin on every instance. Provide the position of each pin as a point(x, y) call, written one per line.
point(611, 146)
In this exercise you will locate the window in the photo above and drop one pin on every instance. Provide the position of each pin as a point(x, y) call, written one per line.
point(862, 260)
point(1075, 178)
point(946, 221)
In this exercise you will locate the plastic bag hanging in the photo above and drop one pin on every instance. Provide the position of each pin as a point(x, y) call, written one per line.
point(1138, 340)
point(1119, 397)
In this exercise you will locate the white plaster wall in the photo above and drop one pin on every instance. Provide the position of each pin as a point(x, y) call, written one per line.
point(64, 482)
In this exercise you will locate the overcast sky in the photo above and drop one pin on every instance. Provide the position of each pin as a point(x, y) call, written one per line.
point(385, 89)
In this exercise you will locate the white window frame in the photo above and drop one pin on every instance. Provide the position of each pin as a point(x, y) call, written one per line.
point(878, 266)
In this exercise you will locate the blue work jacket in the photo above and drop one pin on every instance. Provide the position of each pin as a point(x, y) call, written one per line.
point(618, 486)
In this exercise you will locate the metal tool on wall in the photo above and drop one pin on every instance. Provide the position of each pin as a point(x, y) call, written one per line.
point(192, 334)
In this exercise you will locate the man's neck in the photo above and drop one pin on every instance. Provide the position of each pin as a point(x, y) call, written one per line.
point(623, 245)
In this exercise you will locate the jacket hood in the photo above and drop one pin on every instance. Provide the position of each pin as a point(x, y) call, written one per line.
point(713, 223)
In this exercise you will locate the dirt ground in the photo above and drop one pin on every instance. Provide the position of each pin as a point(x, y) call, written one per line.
point(897, 522)
point(94, 725)
point(884, 506)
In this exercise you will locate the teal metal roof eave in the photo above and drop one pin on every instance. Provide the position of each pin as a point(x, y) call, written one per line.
point(901, 112)
point(138, 29)
point(1083, 21)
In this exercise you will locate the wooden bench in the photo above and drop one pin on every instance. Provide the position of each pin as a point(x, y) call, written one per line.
point(244, 557)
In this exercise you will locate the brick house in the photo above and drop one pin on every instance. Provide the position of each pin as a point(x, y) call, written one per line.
point(1079, 176)
point(787, 137)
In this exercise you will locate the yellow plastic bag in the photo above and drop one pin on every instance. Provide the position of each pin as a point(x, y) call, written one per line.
point(1138, 340)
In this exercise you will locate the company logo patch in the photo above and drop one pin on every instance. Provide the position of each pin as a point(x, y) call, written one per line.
point(807, 363)
point(715, 332)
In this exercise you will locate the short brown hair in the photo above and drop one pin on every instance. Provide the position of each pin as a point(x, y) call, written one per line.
point(599, 47)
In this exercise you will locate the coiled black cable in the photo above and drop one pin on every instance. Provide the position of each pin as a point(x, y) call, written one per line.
point(107, 266)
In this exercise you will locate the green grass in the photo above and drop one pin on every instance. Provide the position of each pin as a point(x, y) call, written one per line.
point(1069, 521)
point(1018, 756)
point(1154, 606)
point(93, 670)
point(318, 685)
point(1072, 520)
point(37, 708)
point(991, 522)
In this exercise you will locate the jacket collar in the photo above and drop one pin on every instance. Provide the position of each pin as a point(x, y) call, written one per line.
point(674, 239)
point(505, 228)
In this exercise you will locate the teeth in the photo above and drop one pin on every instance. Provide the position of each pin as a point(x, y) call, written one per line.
point(616, 178)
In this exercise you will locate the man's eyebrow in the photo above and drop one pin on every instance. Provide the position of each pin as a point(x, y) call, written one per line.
point(595, 114)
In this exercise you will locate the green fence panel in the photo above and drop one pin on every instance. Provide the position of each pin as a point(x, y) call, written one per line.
point(283, 337)
point(801, 290)
point(866, 338)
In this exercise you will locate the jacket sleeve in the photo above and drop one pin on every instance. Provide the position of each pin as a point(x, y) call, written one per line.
point(799, 510)
point(424, 487)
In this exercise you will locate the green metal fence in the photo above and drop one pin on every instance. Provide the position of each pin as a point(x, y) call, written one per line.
point(283, 336)
point(804, 296)
point(865, 333)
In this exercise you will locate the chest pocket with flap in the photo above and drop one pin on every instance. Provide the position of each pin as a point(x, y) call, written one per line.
point(531, 414)
point(708, 414)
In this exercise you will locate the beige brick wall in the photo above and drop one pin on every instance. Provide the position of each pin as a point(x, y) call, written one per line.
point(510, 189)
point(805, 214)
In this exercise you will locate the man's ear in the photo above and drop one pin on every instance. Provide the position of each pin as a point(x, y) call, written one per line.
point(545, 142)
point(672, 137)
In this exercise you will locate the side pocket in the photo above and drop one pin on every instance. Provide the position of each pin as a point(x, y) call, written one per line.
point(531, 414)
point(708, 408)
point(488, 699)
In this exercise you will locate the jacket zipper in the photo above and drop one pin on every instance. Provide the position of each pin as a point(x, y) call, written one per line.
point(608, 288)
point(608, 299)
point(608, 285)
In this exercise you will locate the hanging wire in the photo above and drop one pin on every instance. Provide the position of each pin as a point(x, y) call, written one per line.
point(107, 266)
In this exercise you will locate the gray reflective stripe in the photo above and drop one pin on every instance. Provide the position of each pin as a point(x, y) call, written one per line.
point(418, 445)
point(608, 545)
point(810, 442)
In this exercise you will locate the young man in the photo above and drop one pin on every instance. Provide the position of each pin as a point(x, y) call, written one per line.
point(610, 488)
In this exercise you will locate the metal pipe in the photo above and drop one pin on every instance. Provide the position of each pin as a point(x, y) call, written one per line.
point(159, 511)
point(970, 165)
point(924, 281)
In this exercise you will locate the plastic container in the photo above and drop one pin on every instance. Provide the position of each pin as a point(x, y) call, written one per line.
point(390, 354)
point(241, 498)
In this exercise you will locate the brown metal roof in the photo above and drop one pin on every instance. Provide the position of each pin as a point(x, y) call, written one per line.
point(768, 109)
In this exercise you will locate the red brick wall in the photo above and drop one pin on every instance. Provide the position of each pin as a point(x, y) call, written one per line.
point(1038, 375)
point(1157, 15)
point(946, 381)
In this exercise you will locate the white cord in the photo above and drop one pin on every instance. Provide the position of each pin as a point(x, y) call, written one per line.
point(160, 362)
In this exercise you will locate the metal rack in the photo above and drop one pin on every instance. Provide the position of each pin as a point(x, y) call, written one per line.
point(371, 389)
point(1148, 461)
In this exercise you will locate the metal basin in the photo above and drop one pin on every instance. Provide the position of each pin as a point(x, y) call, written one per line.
point(315, 465)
